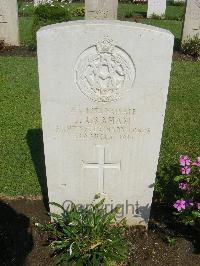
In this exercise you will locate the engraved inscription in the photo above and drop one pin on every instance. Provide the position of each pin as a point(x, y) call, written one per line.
point(101, 165)
point(194, 9)
point(104, 72)
point(97, 123)
point(104, 9)
point(156, 3)
point(101, 14)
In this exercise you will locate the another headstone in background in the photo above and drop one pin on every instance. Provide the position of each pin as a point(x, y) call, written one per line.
point(9, 29)
point(101, 9)
point(103, 100)
point(179, 1)
point(192, 20)
point(40, 2)
point(156, 8)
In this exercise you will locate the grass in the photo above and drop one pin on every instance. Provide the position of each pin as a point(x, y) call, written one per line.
point(181, 134)
point(25, 28)
point(181, 130)
point(20, 134)
point(175, 12)
point(19, 111)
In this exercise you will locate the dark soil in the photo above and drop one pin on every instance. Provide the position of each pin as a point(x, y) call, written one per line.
point(17, 51)
point(166, 242)
point(27, 52)
point(22, 243)
point(181, 56)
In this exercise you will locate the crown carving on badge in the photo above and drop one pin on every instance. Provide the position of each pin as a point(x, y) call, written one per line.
point(105, 46)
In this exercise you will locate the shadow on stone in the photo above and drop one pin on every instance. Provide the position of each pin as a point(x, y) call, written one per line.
point(15, 240)
point(35, 142)
point(143, 212)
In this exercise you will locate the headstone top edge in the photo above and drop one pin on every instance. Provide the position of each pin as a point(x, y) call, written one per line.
point(103, 22)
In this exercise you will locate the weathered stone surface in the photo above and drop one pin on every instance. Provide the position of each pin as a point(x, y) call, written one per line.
point(192, 20)
point(103, 99)
point(156, 7)
point(9, 31)
point(101, 9)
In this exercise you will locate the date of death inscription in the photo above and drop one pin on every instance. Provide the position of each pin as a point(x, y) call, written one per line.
point(97, 123)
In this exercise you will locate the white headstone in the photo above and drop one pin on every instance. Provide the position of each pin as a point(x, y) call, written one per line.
point(156, 7)
point(9, 31)
point(192, 20)
point(103, 99)
point(101, 9)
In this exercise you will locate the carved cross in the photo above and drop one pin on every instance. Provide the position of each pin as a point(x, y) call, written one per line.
point(101, 165)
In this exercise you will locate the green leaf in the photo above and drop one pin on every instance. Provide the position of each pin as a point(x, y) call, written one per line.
point(179, 178)
point(196, 214)
point(96, 239)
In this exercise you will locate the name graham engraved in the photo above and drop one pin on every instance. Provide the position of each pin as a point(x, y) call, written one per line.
point(96, 123)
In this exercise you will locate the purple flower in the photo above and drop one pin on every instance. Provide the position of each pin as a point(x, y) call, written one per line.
point(180, 205)
point(184, 186)
point(198, 205)
point(184, 160)
point(185, 170)
point(197, 162)
point(189, 203)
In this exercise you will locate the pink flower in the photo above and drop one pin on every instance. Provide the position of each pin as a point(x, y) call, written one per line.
point(184, 160)
point(184, 186)
point(180, 205)
point(198, 205)
point(189, 203)
point(197, 162)
point(185, 170)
